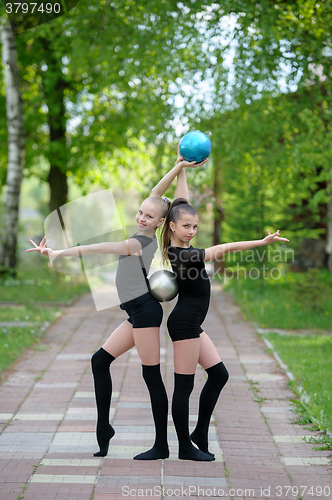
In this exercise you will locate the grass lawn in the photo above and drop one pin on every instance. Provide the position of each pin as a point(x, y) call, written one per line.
point(13, 339)
point(35, 283)
point(310, 360)
point(296, 301)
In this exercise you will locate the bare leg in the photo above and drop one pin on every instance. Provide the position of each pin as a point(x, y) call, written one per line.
point(186, 354)
point(121, 340)
point(217, 378)
point(208, 354)
point(147, 343)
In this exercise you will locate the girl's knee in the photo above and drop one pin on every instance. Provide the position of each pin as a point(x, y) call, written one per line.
point(101, 359)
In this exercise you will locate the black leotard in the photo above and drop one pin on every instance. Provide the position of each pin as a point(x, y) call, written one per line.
point(144, 311)
point(192, 306)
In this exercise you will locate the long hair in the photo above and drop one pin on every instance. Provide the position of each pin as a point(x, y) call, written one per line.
point(179, 207)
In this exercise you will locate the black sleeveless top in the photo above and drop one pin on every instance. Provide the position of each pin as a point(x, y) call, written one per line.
point(192, 306)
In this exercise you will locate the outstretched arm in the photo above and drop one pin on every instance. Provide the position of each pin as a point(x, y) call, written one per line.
point(220, 250)
point(127, 247)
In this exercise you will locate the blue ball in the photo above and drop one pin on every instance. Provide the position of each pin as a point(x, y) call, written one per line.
point(195, 146)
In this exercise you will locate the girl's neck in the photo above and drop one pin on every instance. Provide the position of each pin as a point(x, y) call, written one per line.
point(149, 233)
point(176, 242)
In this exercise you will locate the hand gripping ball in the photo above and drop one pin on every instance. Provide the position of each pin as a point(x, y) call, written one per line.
point(163, 285)
point(195, 146)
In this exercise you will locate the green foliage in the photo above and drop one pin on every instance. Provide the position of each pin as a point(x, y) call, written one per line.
point(28, 313)
point(274, 160)
point(35, 282)
point(33, 285)
point(312, 289)
point(14, 339)
point(278, 303)
point(102, 74)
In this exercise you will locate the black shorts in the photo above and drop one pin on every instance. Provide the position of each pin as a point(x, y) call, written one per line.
point(144, 312)
point(185, 320)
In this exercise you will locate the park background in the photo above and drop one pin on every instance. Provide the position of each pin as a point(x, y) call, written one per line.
point(108, 89)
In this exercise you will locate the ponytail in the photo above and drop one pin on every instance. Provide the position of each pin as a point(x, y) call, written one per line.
point(177, 208)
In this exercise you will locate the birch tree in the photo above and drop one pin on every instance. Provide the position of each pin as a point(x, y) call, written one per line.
point(16, 151)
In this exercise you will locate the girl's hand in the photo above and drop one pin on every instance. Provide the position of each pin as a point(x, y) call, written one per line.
point(41, 248)
point(186, 163)
point(272, 238)
point(191, 164)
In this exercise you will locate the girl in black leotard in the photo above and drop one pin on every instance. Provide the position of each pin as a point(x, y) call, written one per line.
point(190, 343)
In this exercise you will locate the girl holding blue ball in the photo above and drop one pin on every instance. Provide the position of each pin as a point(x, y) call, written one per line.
point(191, 345)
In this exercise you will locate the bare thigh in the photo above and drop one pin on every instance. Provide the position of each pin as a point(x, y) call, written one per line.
point(186, 353)
point(147, 343)
point(121, 340)
point(208, 354)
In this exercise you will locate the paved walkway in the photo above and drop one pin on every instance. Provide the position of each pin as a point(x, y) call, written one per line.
point(47, 416)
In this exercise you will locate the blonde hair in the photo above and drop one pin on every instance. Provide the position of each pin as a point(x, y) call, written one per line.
point(164, 205)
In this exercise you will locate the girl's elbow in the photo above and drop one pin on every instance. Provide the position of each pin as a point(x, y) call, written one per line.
point(155, 192)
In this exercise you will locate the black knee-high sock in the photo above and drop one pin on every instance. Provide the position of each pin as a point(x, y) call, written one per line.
point(100, 363)
point(217, 378)
point(183, 386)
point(159, 405)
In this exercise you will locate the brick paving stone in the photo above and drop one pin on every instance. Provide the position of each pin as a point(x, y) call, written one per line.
point(10, 491)
point(249, 439)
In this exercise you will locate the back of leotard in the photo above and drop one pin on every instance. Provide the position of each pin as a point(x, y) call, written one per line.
point(130, 281)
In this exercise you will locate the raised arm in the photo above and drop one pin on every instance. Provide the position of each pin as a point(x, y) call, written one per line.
point(220, 250)
point(127, 247)
point(181, 190)
point(167, 180)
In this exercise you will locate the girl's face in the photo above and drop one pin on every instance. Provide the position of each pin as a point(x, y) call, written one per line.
point(184, 229)
point(148, 218)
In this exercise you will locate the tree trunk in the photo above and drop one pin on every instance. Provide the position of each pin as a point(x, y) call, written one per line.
point(16, 150)
point(329, 229)
point(54, 86)
point(218, 209)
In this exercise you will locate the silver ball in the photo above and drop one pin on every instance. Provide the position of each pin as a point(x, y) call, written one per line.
point(163, 285)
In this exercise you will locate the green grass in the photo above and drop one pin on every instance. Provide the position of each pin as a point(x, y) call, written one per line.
point(13, 340)
point(294, 301)
point(36, 282)
point(309, 358)
point(28, 313)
